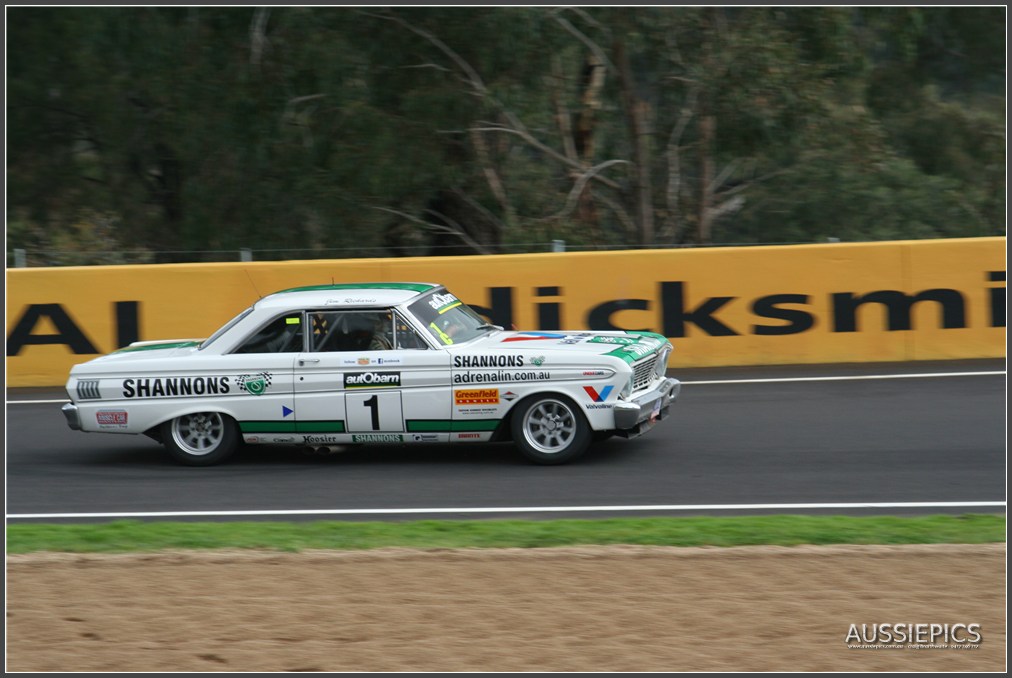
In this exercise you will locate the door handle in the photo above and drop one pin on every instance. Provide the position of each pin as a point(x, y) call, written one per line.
point(303, 361)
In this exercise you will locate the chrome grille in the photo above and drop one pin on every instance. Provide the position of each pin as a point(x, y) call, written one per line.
point(87, 389)
point(643, 372)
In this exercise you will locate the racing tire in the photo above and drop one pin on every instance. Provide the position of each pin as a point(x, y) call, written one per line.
point(550, 429)
point(201, 438)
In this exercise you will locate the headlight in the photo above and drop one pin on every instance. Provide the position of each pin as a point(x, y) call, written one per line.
point(661, 367)
point(627, 389)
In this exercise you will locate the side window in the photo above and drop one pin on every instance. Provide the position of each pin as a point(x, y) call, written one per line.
point(407, 337)
point(351, 331)
point(281, 335)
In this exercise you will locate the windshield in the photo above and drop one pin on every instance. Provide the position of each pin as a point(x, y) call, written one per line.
point(448, 319)
point(225, 328)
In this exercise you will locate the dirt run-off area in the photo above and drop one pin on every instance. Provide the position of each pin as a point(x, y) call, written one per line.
point(619, 609)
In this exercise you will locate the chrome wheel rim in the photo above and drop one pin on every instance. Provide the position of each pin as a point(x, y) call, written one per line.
point(198, 434)
point(549, 426)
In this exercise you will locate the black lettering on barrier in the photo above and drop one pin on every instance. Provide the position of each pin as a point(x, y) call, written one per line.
point(548, 314)
point(599, 317)
point(68, 333)
point(676, 316)
point(897, 307)
point(998, 300)
point(798, 321)
point(127, 326)
point(501, 312)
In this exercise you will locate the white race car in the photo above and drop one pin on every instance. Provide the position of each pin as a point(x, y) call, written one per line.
point(336, 365)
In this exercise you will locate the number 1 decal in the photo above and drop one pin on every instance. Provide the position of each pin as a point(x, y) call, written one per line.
point(373, 405)
point(374, 412)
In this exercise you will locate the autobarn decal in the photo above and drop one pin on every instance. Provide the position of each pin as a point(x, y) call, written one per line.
point(441, 303)
point(160, 387)
point(505, 360)
point(373, 380)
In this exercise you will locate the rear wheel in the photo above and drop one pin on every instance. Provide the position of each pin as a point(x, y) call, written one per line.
point(201, 439)
point(550, 429)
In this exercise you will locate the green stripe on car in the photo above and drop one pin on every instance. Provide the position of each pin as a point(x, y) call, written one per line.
point(412, 287)
point(155, 347)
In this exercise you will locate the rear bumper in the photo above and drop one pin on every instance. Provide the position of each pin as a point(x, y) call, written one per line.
point(639, 415)
point(73, 416)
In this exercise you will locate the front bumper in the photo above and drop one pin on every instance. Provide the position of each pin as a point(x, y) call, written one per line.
point(73, 416)
point(640, 414)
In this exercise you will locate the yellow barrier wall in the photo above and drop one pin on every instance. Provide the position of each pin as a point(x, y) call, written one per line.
point(867, 302)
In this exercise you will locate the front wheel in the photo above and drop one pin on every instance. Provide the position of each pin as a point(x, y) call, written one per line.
point(201, 439)
point(550, 429)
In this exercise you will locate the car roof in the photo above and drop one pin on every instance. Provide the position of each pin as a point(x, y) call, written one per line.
point(339, 295)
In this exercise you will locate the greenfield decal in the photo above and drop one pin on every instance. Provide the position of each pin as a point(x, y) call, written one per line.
point(255, 384)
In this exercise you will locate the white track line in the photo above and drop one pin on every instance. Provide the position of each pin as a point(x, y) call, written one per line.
point(935, 375)
point(514, 509)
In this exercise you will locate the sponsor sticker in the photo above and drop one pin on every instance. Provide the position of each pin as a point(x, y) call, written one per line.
point(111, 418)
point(377, 438)
point(576, 338)
point(321, 440)
point(425, 437)
point(255, 384)
point(598, 396)
point(441, 303)
point(476, 396)
point(499, 377)
point(372, 380)
point(159, 387)
point(500, 360)
point(365, 360)
point(620, 341)
point(509, 396)
point(468, 436)
point(533, 336)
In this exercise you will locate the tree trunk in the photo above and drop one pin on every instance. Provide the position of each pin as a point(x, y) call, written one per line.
point(707, 128)
point(638, 116)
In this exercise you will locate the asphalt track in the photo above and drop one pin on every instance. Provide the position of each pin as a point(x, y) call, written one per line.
point(899, 439)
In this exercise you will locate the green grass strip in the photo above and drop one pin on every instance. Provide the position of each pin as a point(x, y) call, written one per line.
point(135, 535)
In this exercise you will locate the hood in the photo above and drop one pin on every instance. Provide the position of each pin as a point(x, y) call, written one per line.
point(145, 350)
point(626, 345)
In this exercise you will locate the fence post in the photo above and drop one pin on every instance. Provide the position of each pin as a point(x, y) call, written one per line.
point(20, 260)
point(245, 254)
point(558, 245)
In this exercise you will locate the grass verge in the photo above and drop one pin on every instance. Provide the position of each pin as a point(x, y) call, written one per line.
point(133, 535)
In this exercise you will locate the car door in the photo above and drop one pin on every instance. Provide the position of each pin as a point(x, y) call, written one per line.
point(260, 374)
point(347, 389)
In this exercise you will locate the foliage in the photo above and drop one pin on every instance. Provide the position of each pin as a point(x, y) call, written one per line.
point(153, 132)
